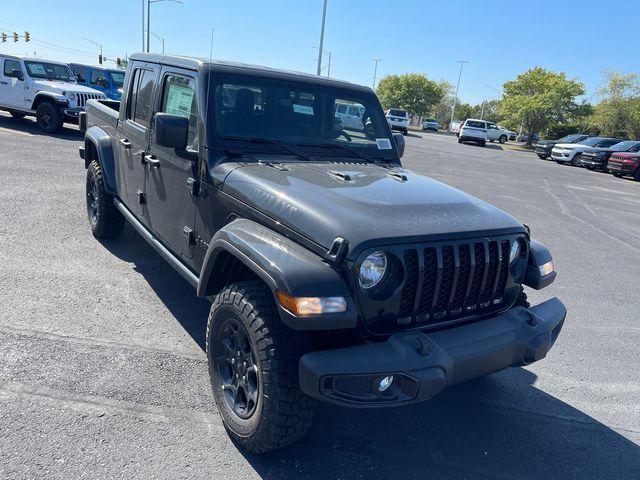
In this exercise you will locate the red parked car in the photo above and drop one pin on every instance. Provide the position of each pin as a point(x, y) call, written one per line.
point(627, 164)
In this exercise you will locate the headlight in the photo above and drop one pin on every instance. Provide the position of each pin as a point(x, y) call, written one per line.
point(72, 96)
point(514, 253)
point(372, 270)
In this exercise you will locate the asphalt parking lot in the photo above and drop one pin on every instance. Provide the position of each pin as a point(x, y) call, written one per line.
point(103, 374)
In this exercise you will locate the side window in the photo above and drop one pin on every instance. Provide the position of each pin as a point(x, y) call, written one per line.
point(80, 73)
point(97, 78)
point(635, 148)
point(139, 106)
point(10, 66)
point(179, 98)
point(341, 108)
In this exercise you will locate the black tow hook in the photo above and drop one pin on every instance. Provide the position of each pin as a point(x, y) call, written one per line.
point(531, 319)
point(420, 344)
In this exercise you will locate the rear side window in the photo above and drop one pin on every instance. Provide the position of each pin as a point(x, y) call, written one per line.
point(80, 73)
point(10, 66)
point(179, 98)
point(607, 143)
point(98, 78)
point(474, 124)
point(140, 97)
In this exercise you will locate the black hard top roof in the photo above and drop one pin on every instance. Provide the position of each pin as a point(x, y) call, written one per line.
point(224, 66)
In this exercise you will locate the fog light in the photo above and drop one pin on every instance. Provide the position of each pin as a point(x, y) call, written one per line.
point(385, 383)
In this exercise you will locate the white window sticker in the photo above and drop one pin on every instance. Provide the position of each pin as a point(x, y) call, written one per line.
point(303, 109)
point(37, 69)
point(383, 143)
point(179, 100)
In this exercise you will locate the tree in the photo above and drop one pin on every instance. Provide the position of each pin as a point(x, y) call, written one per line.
point(489, 112)
point(538, 98)
point(412, 92)
point(616, 115)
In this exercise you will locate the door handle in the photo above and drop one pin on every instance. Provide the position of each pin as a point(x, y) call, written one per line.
point(125, 143)
point(4, 83)
point(152, 161)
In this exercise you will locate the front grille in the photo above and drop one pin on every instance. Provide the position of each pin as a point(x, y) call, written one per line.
point(449, 282)
point(83, 97)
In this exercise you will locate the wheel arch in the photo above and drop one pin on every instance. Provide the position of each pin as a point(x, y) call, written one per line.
point(41, 97)
point(244, 249)
point(97, 146)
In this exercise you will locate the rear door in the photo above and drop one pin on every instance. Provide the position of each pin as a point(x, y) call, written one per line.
point(12, 89)
point(133, 134)
point(170, 177)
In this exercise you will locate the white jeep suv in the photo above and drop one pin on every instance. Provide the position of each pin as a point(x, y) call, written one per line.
point(398, 119)
point(46, 89)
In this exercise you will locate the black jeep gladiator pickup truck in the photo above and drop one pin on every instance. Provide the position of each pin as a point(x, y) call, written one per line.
point(334, 273)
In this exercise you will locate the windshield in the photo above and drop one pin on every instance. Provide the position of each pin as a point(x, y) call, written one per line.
point(394, 112)
point(570, 138)
point(624, 146)
point(117, 78)
point(301, 115)
point(431, 120)
point(592, 141)
point(49, 71)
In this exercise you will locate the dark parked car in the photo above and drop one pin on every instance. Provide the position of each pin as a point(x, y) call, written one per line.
point(335, 274)
point(597, 158)
point(525, 137)
point(625, 164)
point(543, 147)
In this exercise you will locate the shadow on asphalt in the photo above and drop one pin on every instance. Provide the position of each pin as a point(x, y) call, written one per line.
point(29, 125)
point(497, 426)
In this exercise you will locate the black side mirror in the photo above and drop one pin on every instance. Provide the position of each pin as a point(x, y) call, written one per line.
point(17, 74)
point(399, 139)
point(171, 130)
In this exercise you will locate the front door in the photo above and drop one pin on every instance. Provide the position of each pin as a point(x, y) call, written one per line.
point(169, 183)
point(12, 86)
point(133, 136)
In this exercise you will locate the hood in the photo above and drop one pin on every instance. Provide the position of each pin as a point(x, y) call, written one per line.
point(56, 86)
point(571, 145)
point(546, 143)
point(362, 203)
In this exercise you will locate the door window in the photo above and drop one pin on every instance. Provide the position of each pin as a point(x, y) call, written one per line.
point(10, 66)
point(80, 73)
point(179, 98)
point(140, 106)
point(98, 78)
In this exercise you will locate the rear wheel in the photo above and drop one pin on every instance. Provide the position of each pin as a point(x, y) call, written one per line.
point(253, 366)
point(105, 219)
point(48, 117)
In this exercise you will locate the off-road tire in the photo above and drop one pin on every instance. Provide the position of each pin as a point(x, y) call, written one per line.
point(282, 414)
point(49, 117)
point(502, 139)
point(104, 218)
point(17, 115)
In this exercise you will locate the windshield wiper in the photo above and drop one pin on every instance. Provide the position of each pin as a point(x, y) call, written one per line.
point(347, 149)
point(268, 141)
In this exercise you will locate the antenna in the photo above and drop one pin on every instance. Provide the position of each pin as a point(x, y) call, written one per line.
point(211, 46)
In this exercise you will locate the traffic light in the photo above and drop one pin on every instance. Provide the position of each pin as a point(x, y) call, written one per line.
point(100, 59)
point(4, 37)
point(27, 36)
point(15, 37)
point(118, 61)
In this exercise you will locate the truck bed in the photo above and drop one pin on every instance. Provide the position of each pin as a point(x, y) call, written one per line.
point(102, 113)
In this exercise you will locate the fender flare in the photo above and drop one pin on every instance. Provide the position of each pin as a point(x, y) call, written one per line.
point(283, 265)
point(55, 97)
point(97, 145)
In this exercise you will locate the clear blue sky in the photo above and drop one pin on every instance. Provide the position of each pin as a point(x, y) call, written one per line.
point(500, 38)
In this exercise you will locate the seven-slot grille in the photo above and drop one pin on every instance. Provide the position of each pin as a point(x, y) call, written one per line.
point(83, 97)
point(443, 283)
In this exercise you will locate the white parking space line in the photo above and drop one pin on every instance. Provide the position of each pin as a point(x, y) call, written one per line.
point(7, 130)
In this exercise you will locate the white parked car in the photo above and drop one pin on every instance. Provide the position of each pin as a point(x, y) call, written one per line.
point(350, 115)
point(510, 133)
point(398, 119)
point(571, 152)
point(46, 89)
point(455, 125)
point(431, 124)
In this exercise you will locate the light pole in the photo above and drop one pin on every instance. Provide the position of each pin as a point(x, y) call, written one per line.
point(159, 38)
point(324, 16)
point(142, 25)
point(328, 54)
point(455, 98)
point(149, 2)
point(99, 45)
point(375, 71)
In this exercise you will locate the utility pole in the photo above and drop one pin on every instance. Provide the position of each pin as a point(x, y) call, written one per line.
point(100, 58)
point(482, 111)
point(149, 2)
point(324, 16)
point(142, 25)
point(455, 98)
point(375, 71)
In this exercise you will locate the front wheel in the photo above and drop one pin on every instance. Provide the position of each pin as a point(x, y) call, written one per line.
point(617, 175)
point(503, 139)
point(253, 366)
point(483, 143)
point(636, 176)
point(575, 161)
point(48, 117)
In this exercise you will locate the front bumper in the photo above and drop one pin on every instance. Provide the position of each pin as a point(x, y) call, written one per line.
point(623, 168)
point(596, 162)
point(422, 365)
point(561, 157)
point(72, 112)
